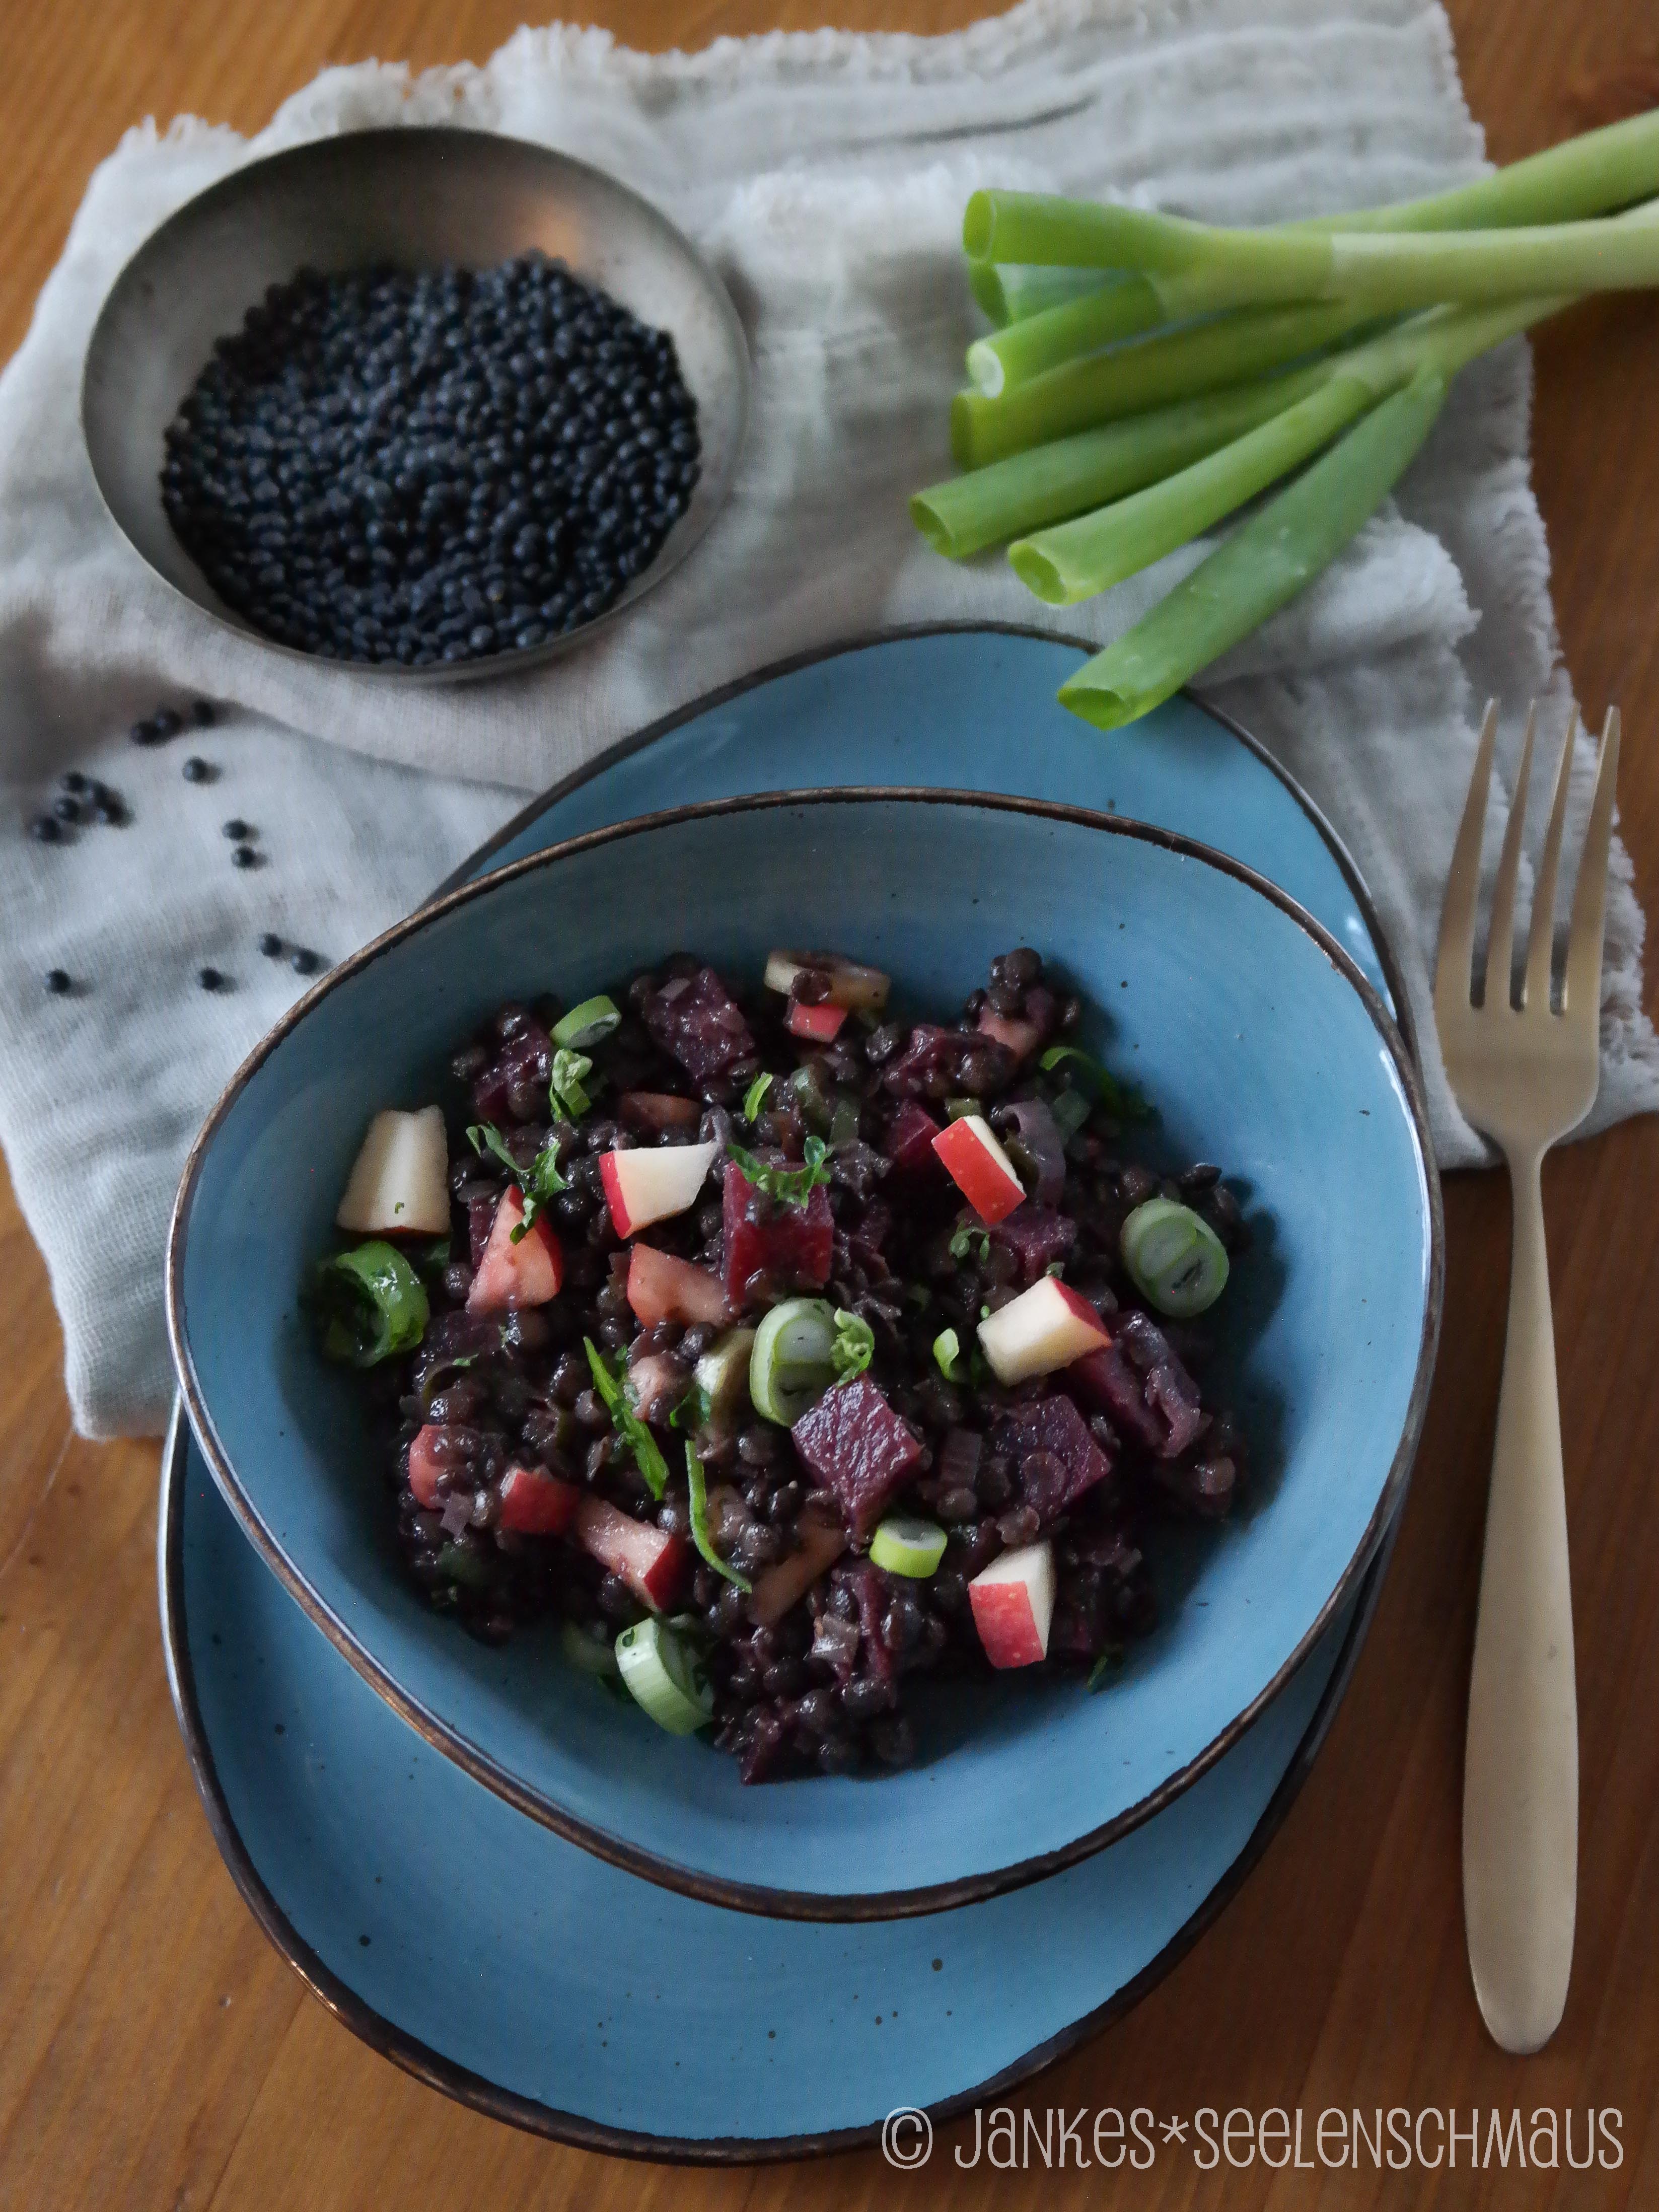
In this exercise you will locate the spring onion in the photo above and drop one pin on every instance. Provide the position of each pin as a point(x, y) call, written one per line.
point(904, 1543)
point(664, 1677)
point(1008, 292)
point(793, 1361)
point(755, 1093)
point(588, 1024)
point(587, 1653)
point(700, 1535)
point(632, 1432)
point(721, 1375)
point(370, 1304)
point(570, 1072)
point(788, 1186)
point(1265, 562)
point(1176, 1259)
point(538, 1184)
point(1070, 1110)
point(947, 1355)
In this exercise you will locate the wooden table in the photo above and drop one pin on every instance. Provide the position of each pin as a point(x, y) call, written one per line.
point(155, 2053)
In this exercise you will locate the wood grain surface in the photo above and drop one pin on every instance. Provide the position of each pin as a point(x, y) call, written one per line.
point(155, 2053)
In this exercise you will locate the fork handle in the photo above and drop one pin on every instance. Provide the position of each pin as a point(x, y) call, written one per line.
point(1521, 1764)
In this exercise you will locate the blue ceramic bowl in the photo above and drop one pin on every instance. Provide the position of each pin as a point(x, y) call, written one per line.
point(1263, 1047)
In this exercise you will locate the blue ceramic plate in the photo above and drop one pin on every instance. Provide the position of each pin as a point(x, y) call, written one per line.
point(1235, 1011)
point(570, 1998)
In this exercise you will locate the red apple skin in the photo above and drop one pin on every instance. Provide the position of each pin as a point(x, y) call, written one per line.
point(611, 1182)
point(662, 1288)
point(649, 1560)
point(992, 1194)
point(511, 1276)
point(537, 1504)
point(1002, 1614)
point(423, 1467)
point(821, 1023)
point(1022, 1038)
point(653, 1111)
point(1077, 1304)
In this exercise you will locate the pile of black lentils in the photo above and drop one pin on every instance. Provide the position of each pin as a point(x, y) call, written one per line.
point(386, 466)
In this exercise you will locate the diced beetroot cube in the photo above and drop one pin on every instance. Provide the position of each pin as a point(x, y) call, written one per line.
point(696, 1021)
point(937, 1061)
point(1036, 1236)
point(792, 1248)
point(514, 1086)
point(1106, 1380)
point(858, 1449)
point(870, 1588)
point(865, 1242)
point(1056, 1457)
point(910, 1143)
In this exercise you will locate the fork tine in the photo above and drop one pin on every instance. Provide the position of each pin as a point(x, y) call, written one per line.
point(1582, 991)
point(1541, 945)
point(1451, 975)
point(1500, 940)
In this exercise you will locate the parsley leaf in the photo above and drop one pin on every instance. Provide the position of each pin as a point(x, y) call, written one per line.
point(700, 1535)
point(570, 1071)
point(626, 1422)
point(694, 1411)
point(962, 1241)
point(537, 1184)
point(947, 1352)
point(788, 1186)
point(854, 1346)
point(1104, 1667)
point(755, 1092)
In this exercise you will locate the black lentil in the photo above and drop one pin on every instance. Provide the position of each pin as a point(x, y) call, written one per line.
point(210, 979)
point(305, 961)
point(60, 981)
point(415, 469)
point(72, 780)
point(245, 857)
point(196, 770)
point(271, 945)
point(46, 830)
point(236, 829)
point(202, 713)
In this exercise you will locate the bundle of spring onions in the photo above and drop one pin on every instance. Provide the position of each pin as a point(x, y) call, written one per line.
point(1149, 376)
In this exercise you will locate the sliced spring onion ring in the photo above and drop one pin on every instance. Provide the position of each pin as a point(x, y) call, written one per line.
point(905, 1544)
point(664, 1677)
point(1178, 1262)
point(947, 1355)
point(583, 1651)
point(700, 1535)
point(371, 1303)
point(753, 1096)
point(722, 1373)
point(589, 1023)
point(792, 1363)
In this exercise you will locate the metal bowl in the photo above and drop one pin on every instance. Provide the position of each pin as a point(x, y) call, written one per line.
point(418, 199)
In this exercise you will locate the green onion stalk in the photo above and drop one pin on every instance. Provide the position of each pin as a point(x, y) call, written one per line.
point(1080, 311)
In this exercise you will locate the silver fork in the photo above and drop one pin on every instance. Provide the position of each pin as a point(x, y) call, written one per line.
point(1526, 1074)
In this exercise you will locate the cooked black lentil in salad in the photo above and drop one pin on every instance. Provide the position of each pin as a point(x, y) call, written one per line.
point(785, 1350)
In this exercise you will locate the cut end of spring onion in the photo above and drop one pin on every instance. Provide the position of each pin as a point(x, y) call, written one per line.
point(664, 1678)
point(793, 1361)
point(1177, 1260)
point(905, 1544)
point(978, 225)
point(586, 1654)
point(985, 366)
point(370, 1304)
point(587, 1025)
point(1042, 577)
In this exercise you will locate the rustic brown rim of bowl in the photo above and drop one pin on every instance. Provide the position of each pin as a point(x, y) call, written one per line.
point(416, 195)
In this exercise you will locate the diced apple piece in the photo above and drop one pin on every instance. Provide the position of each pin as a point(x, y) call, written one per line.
point(1013, 1604)
point(820, 1025)
point(852, 985)
point(979, 1167)
point(649, 1560)
point(509, 1275)
point(1042, 1329)
point(652, 1182)
point(777, 1588)
point(1022, 1038)
point(656, 1383)
point(424, 1467)
point(534, 1503)
point(653, 1111)
point(662, 1288)
point(400, 1179)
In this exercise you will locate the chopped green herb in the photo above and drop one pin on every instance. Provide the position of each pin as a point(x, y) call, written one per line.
point(947, 1354)
point(966, 1237)
point(693, 1412)
point(461, 1565)
point(370, 1304)
point(1121, 1100)
point(570, 1072)
point(626, 1422)
point(788, 1186)
point(1055, 1268)
point(700, 1535)
point(755, 1092)
point(1104, 1667)
point(434, 1256)
point(438, 1378)
point(854, 1346)
point(918, 1294)
point(537, 1184)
